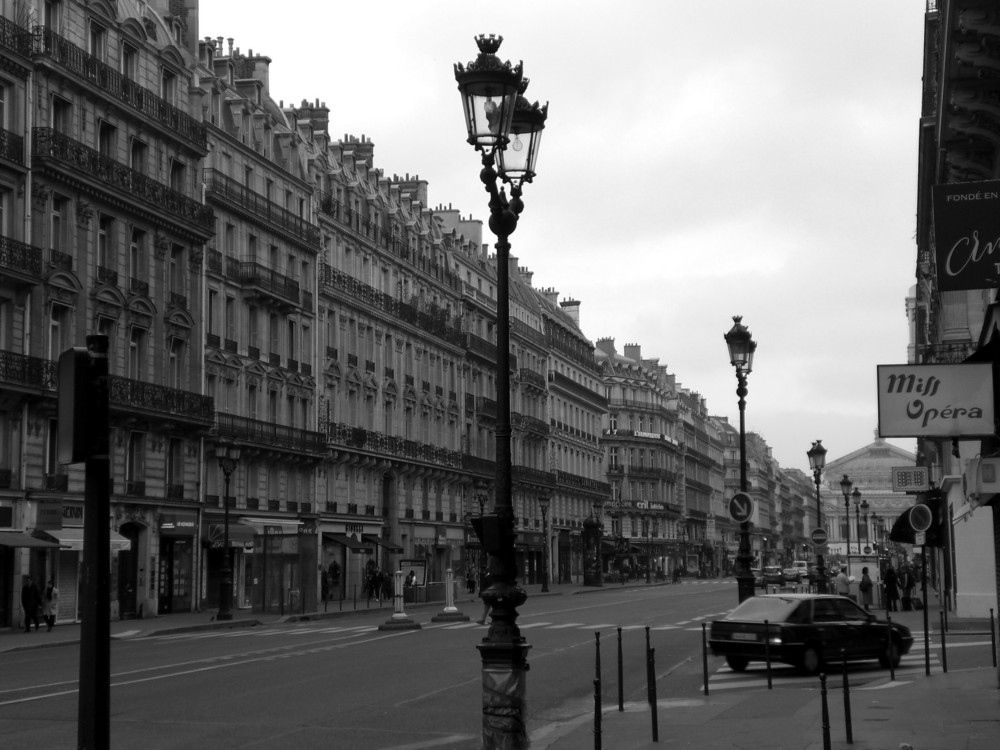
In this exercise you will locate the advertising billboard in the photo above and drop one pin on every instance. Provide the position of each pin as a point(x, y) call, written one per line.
point(967, 235)
point(954, 400)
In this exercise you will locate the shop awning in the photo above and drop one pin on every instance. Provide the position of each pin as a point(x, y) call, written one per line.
point(354, 545)
point(71, 538)
point(20, 539)
point(384, 543)
point(239, 535)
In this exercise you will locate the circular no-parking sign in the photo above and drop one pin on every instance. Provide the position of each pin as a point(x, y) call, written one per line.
point(818, 536)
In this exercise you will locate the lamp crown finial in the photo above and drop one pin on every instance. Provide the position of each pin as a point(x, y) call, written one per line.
point(489, 45)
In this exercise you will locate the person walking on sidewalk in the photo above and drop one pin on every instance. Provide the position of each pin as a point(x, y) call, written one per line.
point(891, 590)
point(865, 587)
point(50, 604)
point(906, 584)
point(31, 602)
point(843, 582)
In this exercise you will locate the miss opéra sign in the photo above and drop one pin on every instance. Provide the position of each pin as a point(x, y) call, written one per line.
point(953, 400)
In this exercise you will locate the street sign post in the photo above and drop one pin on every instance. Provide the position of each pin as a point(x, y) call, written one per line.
point(818, 536)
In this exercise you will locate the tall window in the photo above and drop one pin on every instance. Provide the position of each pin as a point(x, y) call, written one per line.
point(136, 352)
point(136, 253)
point(130, 61)
point(98, 41)
point(107, 139)
point(175, 363)
point(52, 14)
point(213, 311)
point(62, 115)
point(137, 155)
point(252, 397)
point(178, 173)
point(60, 330)
point(58, 220)
point(175, 280)
point(175, 462)
point(135, 461)
point(105, 234)
point(253, 326)
point(168, 86)
point(231, 318)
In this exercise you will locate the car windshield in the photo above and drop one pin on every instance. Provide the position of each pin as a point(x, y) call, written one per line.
point(760, 608)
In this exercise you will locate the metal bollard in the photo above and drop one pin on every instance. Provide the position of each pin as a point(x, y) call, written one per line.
point(888, 649)
point(944, 645)
point(597, 715)
point(847, 698)
point(826, 712)
point(651, 677)
point(993, 637)
point(767, 652)
point(621, 678)
point(704, 654)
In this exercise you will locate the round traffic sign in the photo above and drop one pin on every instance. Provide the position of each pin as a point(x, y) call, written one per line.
point(818, 536)
point(741, 507)
point(920, 517)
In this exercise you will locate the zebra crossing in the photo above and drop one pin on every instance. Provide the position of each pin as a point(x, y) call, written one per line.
point(911, 665)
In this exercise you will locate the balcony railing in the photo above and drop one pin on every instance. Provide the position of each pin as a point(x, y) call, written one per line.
point(276, 284)
point(31, 372)
point(11, 146)
point(160, 398)
point(389, 445)
point(123, 90)
point(244, 429)
point(18, 256)
point(52, 145)
point(15, 38)
point(258, 207)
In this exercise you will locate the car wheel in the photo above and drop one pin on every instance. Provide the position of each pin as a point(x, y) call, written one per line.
point(811, 660)
point(737, 663)
point(893, 653)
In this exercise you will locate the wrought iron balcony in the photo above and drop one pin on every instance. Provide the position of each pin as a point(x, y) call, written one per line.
point(529, 424)
point(530, 377)
point(15, 38)
point(11, 147)
point(136, 395)
point(268, 434)
point(275, 285)
point(27, 372)
point(389, 445)
point(52, 146)
point(124, 91)
point(21, 260)
point(256, 207)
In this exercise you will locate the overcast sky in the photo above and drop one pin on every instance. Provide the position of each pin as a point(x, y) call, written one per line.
point(701, 160)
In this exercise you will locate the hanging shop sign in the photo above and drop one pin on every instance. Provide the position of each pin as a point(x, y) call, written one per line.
point(951, 401)
point(967, 235)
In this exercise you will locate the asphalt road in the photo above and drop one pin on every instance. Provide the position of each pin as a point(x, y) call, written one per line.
point(342, 683)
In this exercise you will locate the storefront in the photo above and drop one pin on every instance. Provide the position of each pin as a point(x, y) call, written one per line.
point(175, 578)
point(284, 566)
point(241, 546)
point(349, 551)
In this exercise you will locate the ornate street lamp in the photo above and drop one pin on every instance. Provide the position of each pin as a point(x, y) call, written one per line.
point(741, 350)
point(859, 504)
point(228, 456)
point(543, 504)
point(817, 461)
point(845, 486)
point(495, 109)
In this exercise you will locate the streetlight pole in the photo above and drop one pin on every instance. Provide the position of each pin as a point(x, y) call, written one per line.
point(859, 504)
point(496, 114)
point(741, 350)
point(228, 456)
point(845, 486)
point(817, 460)
point(543, 504)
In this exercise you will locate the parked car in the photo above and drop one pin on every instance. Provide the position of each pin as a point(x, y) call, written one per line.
point(807, 631)
point(773, 575)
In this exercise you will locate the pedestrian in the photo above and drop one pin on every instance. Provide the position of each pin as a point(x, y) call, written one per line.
point(50, 604)
point(891, 590)
point(906, 583)
point(470, 581)
point(31, 602)
point(865, 587)
point(843, 582)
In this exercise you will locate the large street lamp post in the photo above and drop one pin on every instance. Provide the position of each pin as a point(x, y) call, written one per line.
point(741, 350)
point(817, 460)
point(506, 129)
point(228, 456)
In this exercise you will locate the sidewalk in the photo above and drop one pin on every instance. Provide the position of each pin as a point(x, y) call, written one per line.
point(957, 710)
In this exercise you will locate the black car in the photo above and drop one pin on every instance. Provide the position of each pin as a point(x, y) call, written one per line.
point(807, 631)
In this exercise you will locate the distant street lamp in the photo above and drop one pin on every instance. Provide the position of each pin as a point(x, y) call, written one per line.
point(817, 461)
point(845, 486)
point(858, 507)
point(506, 129)
point(543, 504)
point(741, 350)
point(228, 456)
